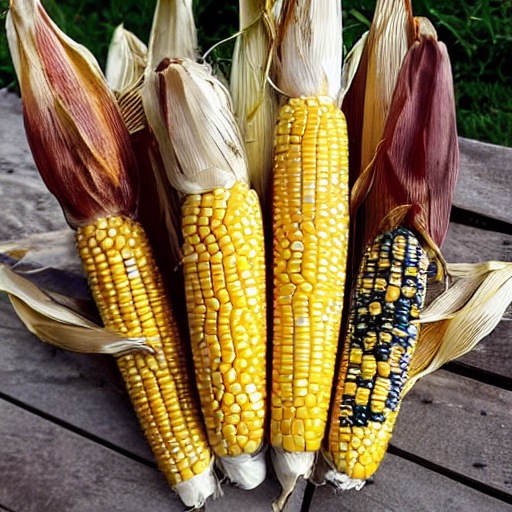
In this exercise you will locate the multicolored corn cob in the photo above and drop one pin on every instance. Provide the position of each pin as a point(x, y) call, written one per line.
point(381, 337)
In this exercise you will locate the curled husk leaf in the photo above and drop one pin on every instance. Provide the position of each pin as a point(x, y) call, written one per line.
point(53, 322)
point(75, 131)
point(191, 115)
point(126, 59)
point(457, 320)
point(253, 99)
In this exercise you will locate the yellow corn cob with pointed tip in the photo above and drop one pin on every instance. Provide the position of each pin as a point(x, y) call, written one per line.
point(128, 290)
point(310, 223)
point(380, 341)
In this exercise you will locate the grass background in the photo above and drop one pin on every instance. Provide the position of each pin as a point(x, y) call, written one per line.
point(478, 34)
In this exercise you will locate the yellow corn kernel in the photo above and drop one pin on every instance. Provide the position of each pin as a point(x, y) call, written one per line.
point(226, 307)
point(310, 224)
point(131, 299)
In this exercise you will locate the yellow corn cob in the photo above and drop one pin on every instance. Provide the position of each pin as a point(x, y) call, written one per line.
point(310, 223)
point(224, 271)
point(128, 290)
point(380, 341)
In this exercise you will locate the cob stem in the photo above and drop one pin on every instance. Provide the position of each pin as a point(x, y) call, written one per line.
point(129, 293)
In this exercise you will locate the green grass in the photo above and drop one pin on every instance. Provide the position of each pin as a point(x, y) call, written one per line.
point(478, 34)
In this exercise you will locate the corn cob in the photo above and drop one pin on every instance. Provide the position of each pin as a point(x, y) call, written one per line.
point(223, 259)
point(310, 247)
point(128, 289)
point(82, 149)
point(225, 291)
point(381, 337)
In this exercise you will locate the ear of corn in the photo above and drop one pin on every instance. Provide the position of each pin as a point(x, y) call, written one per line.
point(82, 148)
point(128, 290)
point(380, 341)
point(223, 260)
point(310, 246)
point(310, 234)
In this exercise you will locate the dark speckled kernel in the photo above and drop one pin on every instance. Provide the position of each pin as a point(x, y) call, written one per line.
point(381, 339)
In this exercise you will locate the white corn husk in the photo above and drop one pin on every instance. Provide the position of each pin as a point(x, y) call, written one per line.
point(191, 115)
point(173, 33)
point(126, 59)
point(196, 490)
point(310, 50)
point(253, 99)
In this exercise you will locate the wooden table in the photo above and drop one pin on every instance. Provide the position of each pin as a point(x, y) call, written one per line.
point(70, 442)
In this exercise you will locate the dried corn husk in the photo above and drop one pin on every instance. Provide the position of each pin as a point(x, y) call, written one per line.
point(253, 99)
point(126, 59)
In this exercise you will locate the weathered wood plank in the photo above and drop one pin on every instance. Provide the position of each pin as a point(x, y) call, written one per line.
point(459, 424)
point(484, 181)
point(493, 353)
point(86, 392)
point(83, 390)
point(402, 486)
point(45, 468)
point(466, 244)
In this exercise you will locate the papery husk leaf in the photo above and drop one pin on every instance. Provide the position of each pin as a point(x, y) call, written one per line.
point(126, 59)
point(418, 159)
point(310, 48)
point(75, 131)
point(391, 33)
point(173, 33)
point(351, 66)
point(58, 325)
point(485, 290)
point(55, 249)
point(191, 115)
point(254, 100)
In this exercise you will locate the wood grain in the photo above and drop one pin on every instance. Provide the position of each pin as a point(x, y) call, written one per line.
point(466, 244)
point(484, 181)
point(403, 486)
point(83, 390)
point(46, 468)
point(460, 424)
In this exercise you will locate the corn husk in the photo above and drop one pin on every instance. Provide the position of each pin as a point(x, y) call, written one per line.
point(173, 33)
point(126, 59)
point(460, 318)
point(53, 322)
point(207, 150)
point(253, 99)
point(75, 131)
point(309, 49)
